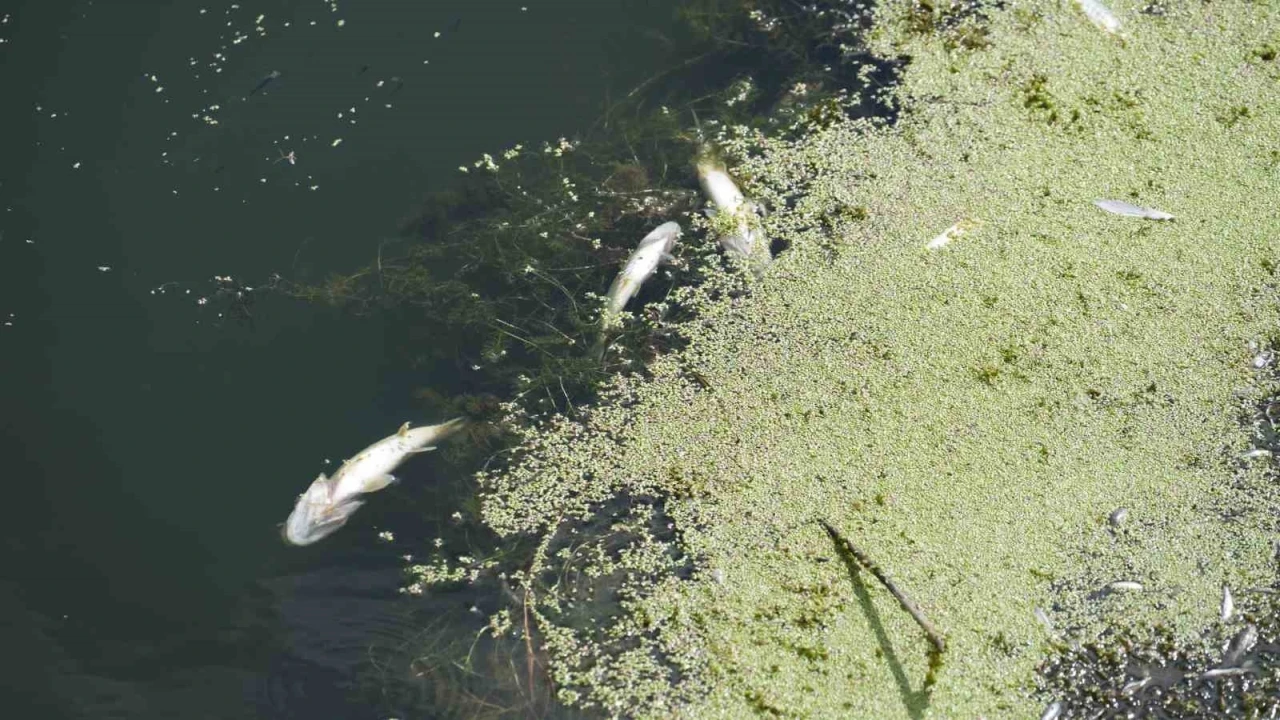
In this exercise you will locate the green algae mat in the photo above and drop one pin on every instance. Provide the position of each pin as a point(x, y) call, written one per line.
point(969, 416)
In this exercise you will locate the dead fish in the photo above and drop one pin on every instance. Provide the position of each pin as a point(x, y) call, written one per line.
point(1135, 686)
point(744, 232)
point(1125, 586)
point(956, 231)
point(264, 82)
point(1100, 15)
point(1222, 672)
point(1043, 617)
point(1053, 712)
point(1117, 517)
point(1228, 605)
point(1241, 644)
point(329, 502)
point(1120, 207)
point(655, 248)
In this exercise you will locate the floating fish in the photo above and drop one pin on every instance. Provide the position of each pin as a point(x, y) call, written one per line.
point(954, 232)
point(1228, 605)
point(1118, 516)
point(264, 82)
point(1100, 15)
point(1120, 207)
point(1125, 586)
point(744, 227)
point(656, 247)
point(330, 501)
point(1053, 712)
point(1241, 644)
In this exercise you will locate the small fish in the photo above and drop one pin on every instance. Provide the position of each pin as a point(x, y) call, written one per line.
point(954, 232)
point(1100, 15)
point(1053, 712)
point(1222, 672)
point(1117, 517)
point(330, 501)
point(1135, 686)
point(1228, 605)
point(656, 247)
point(1125, 586)
point(1043, 617)
point(1256, 454)
point(1242, 643)
point(728, 200)
point(264, 82)
point(1120, 207)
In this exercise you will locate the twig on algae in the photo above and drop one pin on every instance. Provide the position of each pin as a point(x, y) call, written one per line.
point(907, 603)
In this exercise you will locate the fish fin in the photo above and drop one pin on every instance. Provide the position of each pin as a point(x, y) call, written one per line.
point(428, 448)
point(404, 430)
point(377, 483)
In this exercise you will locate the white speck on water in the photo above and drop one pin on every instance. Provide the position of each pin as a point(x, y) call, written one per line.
point(437, 34)
point(159, 88)
point(315, 187)
point(336, 142)
point(341, 23)
point(75, 166)
point(104, 268)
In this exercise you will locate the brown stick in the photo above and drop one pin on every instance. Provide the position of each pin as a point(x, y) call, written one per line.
point(528, 646)
point(907, 603)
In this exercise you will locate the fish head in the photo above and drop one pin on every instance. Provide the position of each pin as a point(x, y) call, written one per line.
point(309, 523)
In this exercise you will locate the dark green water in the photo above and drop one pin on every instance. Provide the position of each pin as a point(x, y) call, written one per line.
point(150, 450)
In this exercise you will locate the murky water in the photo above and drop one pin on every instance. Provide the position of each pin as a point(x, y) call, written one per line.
point(152, 446)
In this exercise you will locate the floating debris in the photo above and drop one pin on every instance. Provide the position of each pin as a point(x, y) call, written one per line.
point(1262, 359)
point(1100, 15)
point(956, 231)
point(1120, 207)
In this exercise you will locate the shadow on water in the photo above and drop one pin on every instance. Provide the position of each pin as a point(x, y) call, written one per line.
point(916, 702)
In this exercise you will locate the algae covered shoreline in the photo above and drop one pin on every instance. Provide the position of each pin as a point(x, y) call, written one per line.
point(968, 416)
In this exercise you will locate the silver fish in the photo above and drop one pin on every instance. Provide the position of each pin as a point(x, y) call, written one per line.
point(1120, 207)
point(330, 501)
point(1100, 15)
point(728, 200)
point(1241, 644)
point(1125, 586)
point(656, 247)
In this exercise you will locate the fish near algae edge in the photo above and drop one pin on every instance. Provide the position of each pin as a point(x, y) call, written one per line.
point(969, 417)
